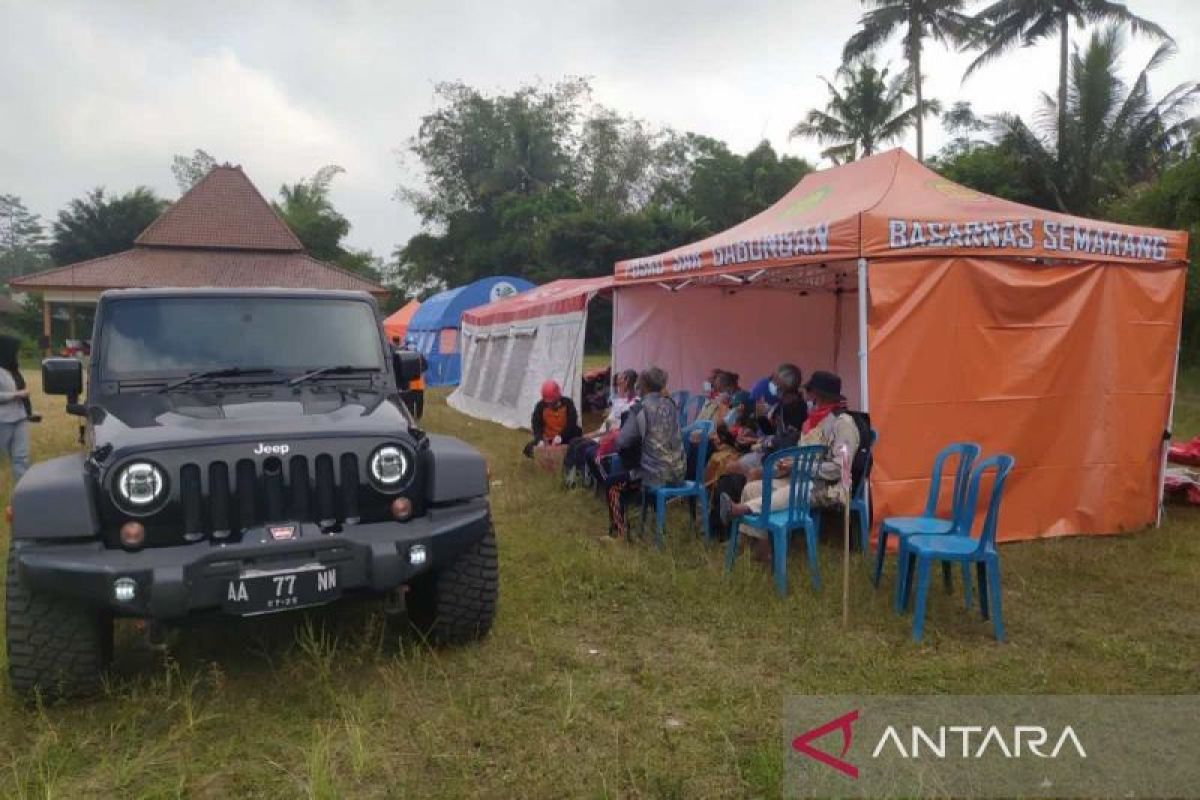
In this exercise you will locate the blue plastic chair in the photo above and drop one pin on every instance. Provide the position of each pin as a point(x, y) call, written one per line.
point(929, 522)
point(858, 502)
point(681, 397)
point(689, 411)
point(693, 488)
point(779, 523)
point(918, 551)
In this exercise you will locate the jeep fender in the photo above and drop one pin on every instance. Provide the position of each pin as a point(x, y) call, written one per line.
point(54, 501)
point(457, 470)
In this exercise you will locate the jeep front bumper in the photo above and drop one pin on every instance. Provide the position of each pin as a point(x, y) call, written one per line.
point(172, 582)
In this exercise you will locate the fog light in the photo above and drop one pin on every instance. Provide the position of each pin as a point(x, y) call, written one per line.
point(417, 555)
point(132, 535)
point(124, 589)
point(402, 508)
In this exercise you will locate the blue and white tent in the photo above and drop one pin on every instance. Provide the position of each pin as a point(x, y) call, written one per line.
point(434, 330)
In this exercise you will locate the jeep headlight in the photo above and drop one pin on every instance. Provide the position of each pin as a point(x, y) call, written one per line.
point(390, 467)
point(139, 486)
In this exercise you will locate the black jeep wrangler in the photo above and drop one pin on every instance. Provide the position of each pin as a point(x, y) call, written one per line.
point(246, 452)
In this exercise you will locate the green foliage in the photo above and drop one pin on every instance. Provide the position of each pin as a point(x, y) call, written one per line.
point(538, 184)
point(96, 225)
point(306, 208)
point(866, 110)
point(188, 170)
point(22, 238)
point(1173, 201)
point(1115, 135)
point(941, 20)
point(994, 169)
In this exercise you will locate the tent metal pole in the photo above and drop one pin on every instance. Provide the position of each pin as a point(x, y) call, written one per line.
point(864, 395)
point(1166, 445)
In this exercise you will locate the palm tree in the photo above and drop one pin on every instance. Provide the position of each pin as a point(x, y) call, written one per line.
point(1006, 23)
point(867, 111)
point(1113, 134)
point(941, 19)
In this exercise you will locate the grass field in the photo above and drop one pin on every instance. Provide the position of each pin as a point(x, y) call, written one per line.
point(613, 671)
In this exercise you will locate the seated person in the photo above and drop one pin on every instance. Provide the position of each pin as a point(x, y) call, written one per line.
point(779, 423)
point(583, 451)
point(554, 420)
point(650, 445)
point(733, 437)
point(828, 426)
point(720, 392)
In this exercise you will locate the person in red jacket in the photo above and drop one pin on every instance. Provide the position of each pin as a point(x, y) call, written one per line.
point(554, 420)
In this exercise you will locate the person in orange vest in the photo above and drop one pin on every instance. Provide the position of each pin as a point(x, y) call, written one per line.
point(554, 421)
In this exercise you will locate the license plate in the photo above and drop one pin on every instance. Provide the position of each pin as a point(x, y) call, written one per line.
point(257, 591)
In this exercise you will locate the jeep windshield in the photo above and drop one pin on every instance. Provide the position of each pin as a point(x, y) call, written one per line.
point(239, 339)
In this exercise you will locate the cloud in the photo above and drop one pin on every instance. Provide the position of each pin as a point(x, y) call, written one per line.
point(98, 92)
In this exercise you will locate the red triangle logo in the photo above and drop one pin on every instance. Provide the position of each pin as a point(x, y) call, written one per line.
point(802, 743)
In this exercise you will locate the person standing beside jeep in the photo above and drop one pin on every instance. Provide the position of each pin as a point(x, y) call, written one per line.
point(15, 410)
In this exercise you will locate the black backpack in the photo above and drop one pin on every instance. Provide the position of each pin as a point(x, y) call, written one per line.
point(860, 464)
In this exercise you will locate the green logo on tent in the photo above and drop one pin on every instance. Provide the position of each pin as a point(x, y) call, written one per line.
point(807, 202)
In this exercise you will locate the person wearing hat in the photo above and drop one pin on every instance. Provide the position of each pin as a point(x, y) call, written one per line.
point(827, 425)
point(555, 419)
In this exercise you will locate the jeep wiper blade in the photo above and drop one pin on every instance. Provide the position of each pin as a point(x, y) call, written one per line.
point(344, 369)
point(231, 372)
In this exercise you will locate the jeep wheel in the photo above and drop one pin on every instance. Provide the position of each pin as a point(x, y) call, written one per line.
point(55, 647)
point(457, 604)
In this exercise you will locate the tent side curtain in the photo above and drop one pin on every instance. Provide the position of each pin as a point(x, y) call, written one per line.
point(504, 365)
point(890, 205)
point(1068, 367)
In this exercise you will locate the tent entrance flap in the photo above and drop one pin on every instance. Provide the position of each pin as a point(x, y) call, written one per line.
point(749, 330)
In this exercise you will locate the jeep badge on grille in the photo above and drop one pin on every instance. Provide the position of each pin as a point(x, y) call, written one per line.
point(271, 449)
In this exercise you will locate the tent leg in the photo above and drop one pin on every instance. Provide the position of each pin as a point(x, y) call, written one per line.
point(1166, 444)
point(864, 402)
point(864, 395)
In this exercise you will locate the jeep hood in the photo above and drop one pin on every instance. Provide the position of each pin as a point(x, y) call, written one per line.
point(150, 420)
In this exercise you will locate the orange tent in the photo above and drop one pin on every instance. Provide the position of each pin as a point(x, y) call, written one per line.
point(1051, 337)
point(396, 325)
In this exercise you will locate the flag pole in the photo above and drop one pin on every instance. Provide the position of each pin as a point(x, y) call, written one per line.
point(845, 464)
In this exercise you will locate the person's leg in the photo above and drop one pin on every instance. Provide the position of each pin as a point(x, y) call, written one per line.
point(617, 526)
point(7, 431)
point(19, 450)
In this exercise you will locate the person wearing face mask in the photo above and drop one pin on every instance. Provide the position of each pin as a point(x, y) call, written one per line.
point(829, 427)
point(779, 421)
point(720, 392)
point(582, 453)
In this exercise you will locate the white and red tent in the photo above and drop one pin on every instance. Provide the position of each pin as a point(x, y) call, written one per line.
point(510, 347)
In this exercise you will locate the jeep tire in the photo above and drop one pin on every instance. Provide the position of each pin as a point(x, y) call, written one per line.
point(457, 604)
point(56, 647)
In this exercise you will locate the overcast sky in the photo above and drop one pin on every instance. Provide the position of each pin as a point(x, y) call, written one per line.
point(104, 93)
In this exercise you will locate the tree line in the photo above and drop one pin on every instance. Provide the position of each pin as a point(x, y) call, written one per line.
point(543, 182)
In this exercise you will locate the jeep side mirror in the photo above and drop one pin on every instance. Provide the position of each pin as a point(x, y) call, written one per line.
point(64, 376)
point(408, 366)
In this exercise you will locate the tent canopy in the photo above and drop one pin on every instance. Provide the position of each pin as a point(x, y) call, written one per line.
point(510, 347)
point(557, 297)
point(445, 309)
point(951, 316)
point(396, 324)
point(890, 205)
point(433, 329)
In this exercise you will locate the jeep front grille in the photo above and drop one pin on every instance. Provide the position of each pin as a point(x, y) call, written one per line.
point(325, 491)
